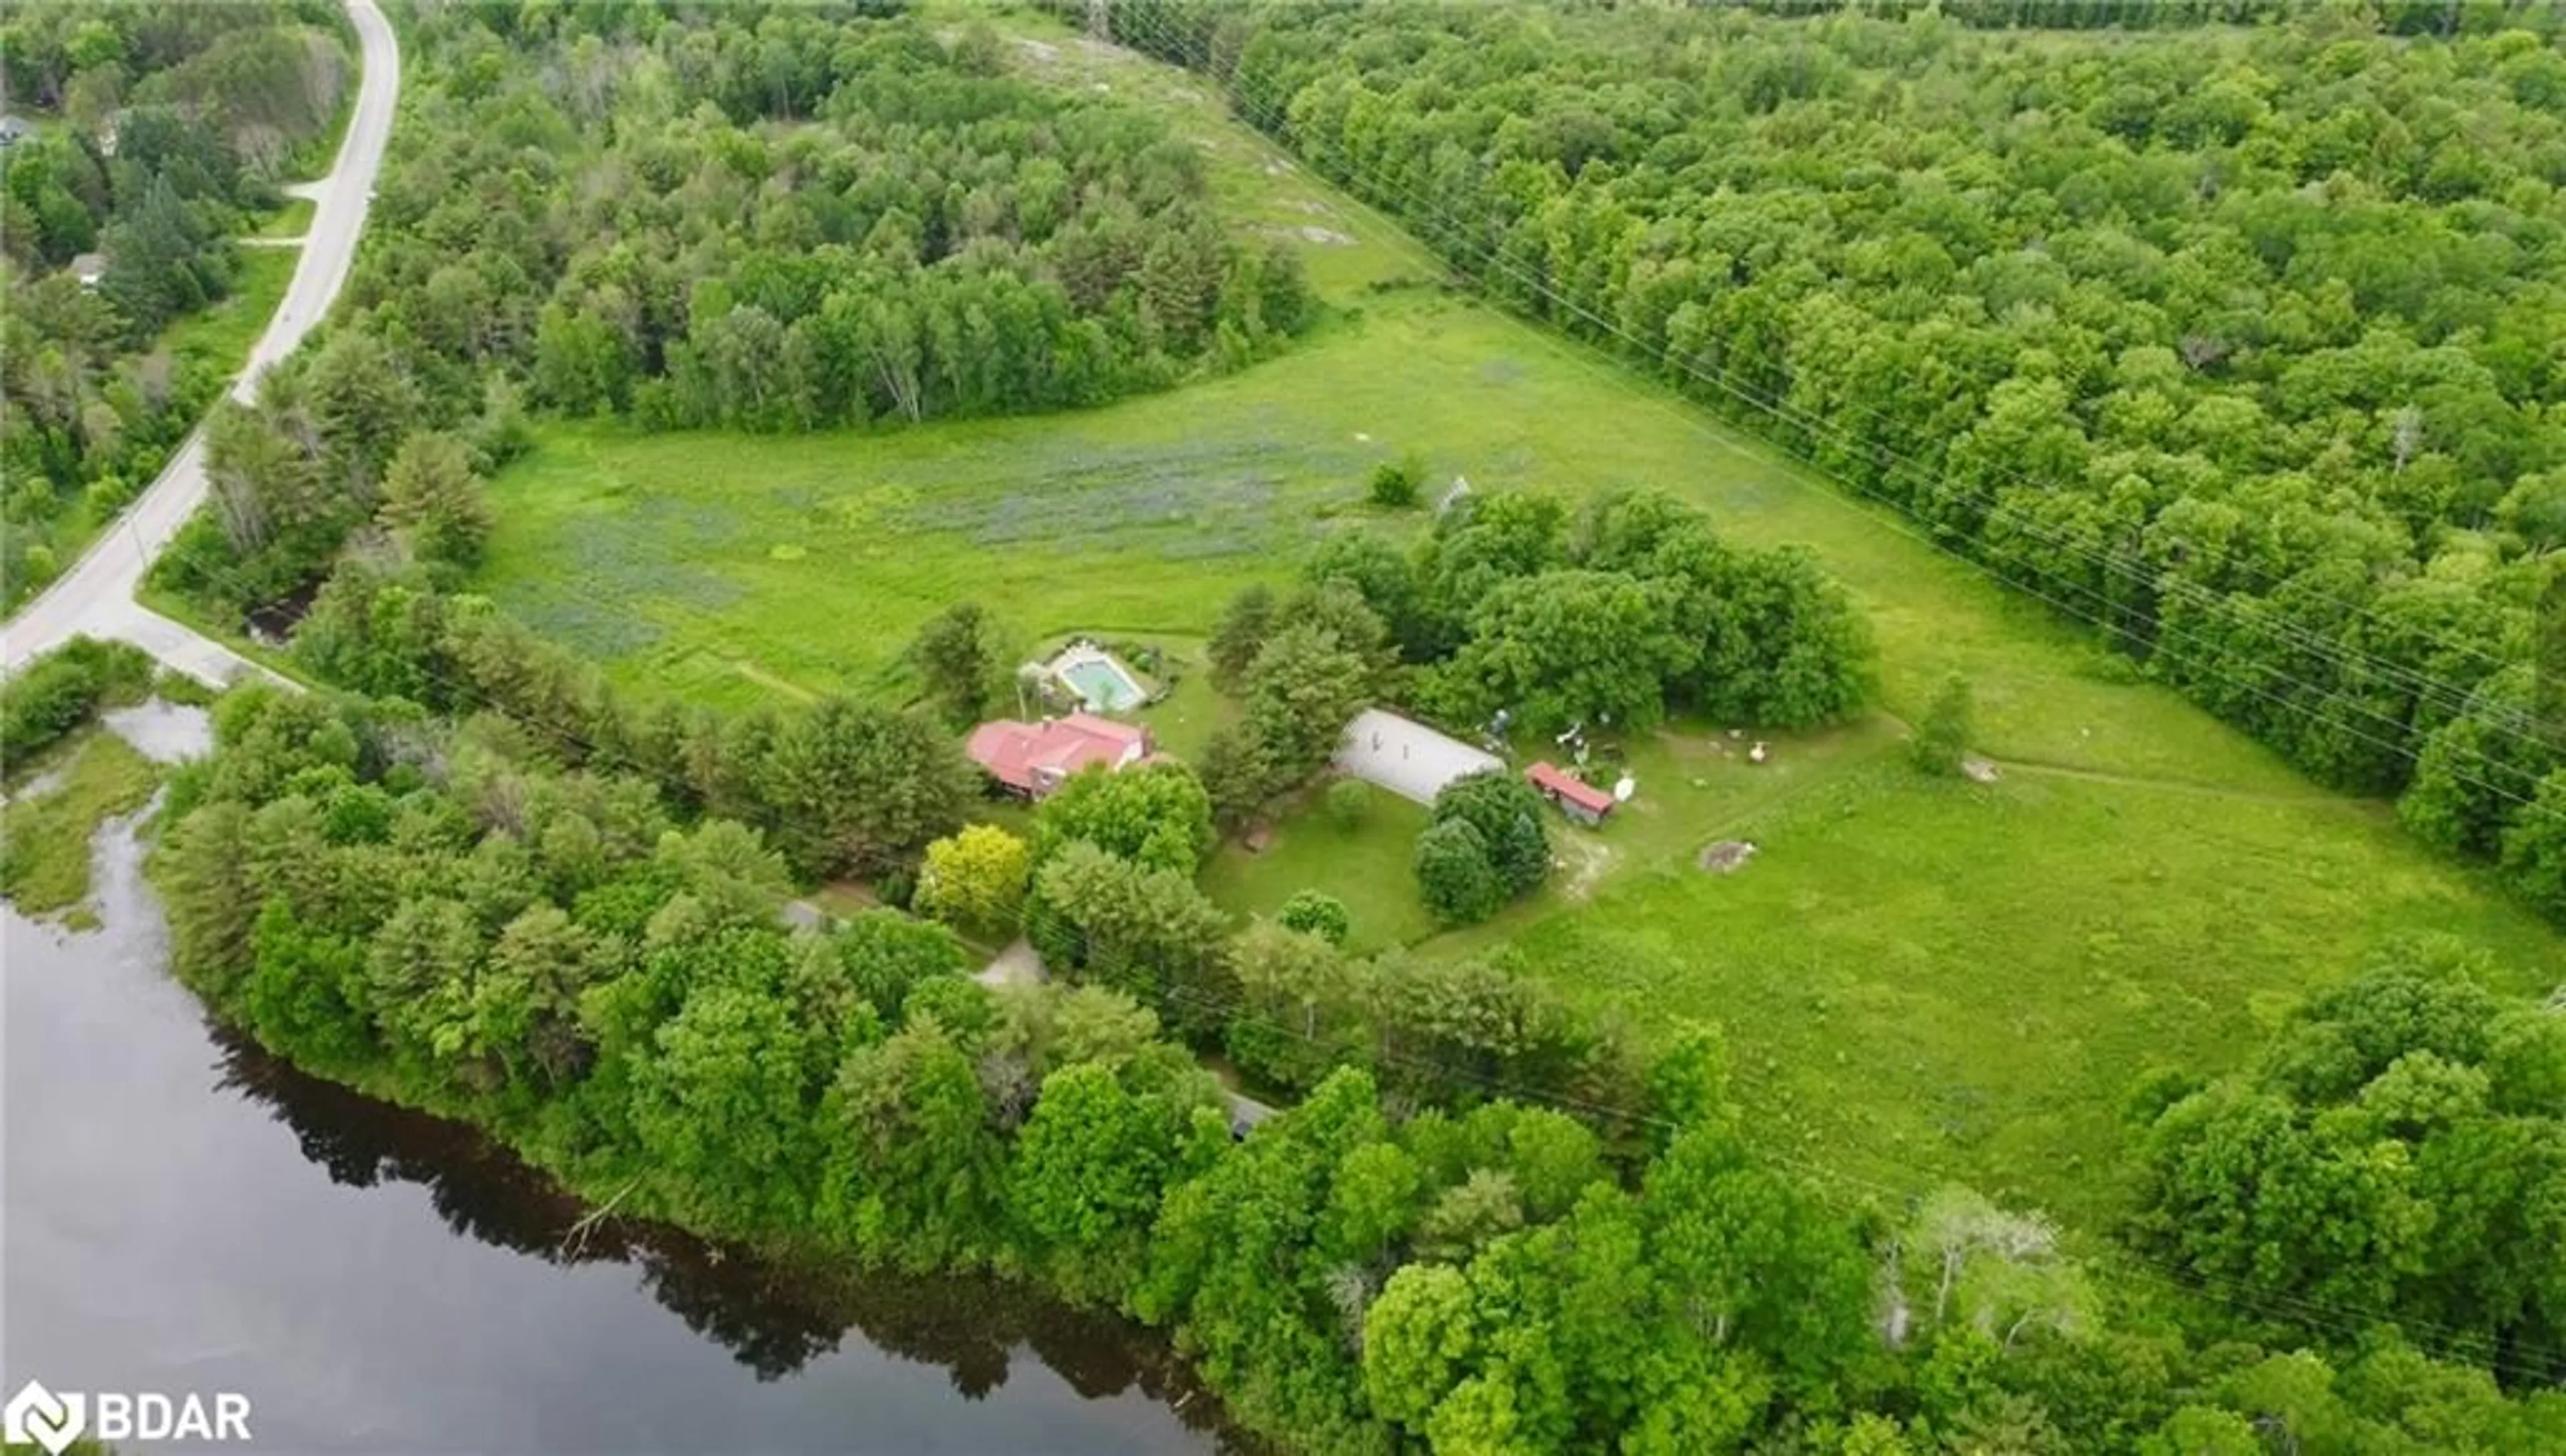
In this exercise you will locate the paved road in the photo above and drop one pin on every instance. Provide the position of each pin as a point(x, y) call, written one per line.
point(95, 596)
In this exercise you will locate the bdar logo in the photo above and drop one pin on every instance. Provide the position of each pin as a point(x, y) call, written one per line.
point(39, 1416)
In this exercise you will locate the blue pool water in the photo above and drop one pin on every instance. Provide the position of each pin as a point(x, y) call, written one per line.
point(1105, 686)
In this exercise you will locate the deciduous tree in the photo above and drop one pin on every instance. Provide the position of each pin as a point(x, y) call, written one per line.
point(960, 659)
point(1941, 742)
point(1156, 815)
point(976, 880)
point(1456, 875)
point(1314, 913)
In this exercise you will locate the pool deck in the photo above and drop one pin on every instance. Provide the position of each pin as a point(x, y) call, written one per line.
point(1075, 663)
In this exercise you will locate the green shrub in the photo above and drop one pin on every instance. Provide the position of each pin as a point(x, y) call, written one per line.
point(1346, 804)
point(1942, 741)
point(1395, 483)
point(1315, 913)
point(62, 689)
point(1455, 875)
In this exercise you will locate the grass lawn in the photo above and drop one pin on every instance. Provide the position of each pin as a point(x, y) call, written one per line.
point(1928, 978)
point(1922, 979)
point(292, 220)
point(1184, 720)
point(44, 837)
point(1367, 866)
point(222, 333)
point(845, 898)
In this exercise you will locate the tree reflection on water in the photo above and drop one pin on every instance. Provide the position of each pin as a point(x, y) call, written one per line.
point(774, 1316)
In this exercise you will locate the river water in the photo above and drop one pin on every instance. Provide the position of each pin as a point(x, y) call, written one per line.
point(181, 1212)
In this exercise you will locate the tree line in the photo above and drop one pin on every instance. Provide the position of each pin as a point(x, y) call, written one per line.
point(447, 913)
point(1515, 611)
point(2395, 17)
point(164, 129)
point(1106, 888)
point(2399, 1150)
point(755, 216)
point(2239, 345)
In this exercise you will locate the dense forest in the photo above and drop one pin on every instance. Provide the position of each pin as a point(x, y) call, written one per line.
point(1433, 1251)
point(2241, 345)
point(2282, 1182)
point(157, 129)
point(484, 882)
point(768, 217)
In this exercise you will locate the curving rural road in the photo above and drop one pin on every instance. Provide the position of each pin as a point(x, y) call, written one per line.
point(95, 596)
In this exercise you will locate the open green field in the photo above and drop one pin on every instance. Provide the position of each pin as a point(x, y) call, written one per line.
point(721, 565)
point(1926, 976)
point(1919, 979)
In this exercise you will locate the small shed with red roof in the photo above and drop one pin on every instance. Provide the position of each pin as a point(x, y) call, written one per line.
point(1033, 758)
point(1577, 798)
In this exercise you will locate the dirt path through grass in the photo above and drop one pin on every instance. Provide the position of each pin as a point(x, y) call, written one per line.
point(2312, 796)
point(1923, 977)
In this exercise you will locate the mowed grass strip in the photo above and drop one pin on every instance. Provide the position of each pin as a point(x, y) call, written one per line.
point(45, 836)
point(1919, 979)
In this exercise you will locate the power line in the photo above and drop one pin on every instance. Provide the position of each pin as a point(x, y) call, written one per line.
point(1239, 1009)
point(2392, 746)
point(2346, 701)
point(1279, 125)
point(2346, 658)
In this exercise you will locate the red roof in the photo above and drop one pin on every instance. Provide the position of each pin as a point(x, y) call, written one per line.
point(1553, 781)
point(1036, 756)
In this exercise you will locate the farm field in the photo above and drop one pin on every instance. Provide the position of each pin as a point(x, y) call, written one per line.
point(1918, 979)
point(728, 566)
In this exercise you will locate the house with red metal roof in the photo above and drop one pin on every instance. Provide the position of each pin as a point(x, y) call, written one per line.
point(1033, 758)
point(1579, 801)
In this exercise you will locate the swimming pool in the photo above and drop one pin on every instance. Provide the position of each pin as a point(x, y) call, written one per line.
point(1099, 680)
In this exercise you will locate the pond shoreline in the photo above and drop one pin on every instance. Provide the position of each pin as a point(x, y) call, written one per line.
point(162, 1235)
